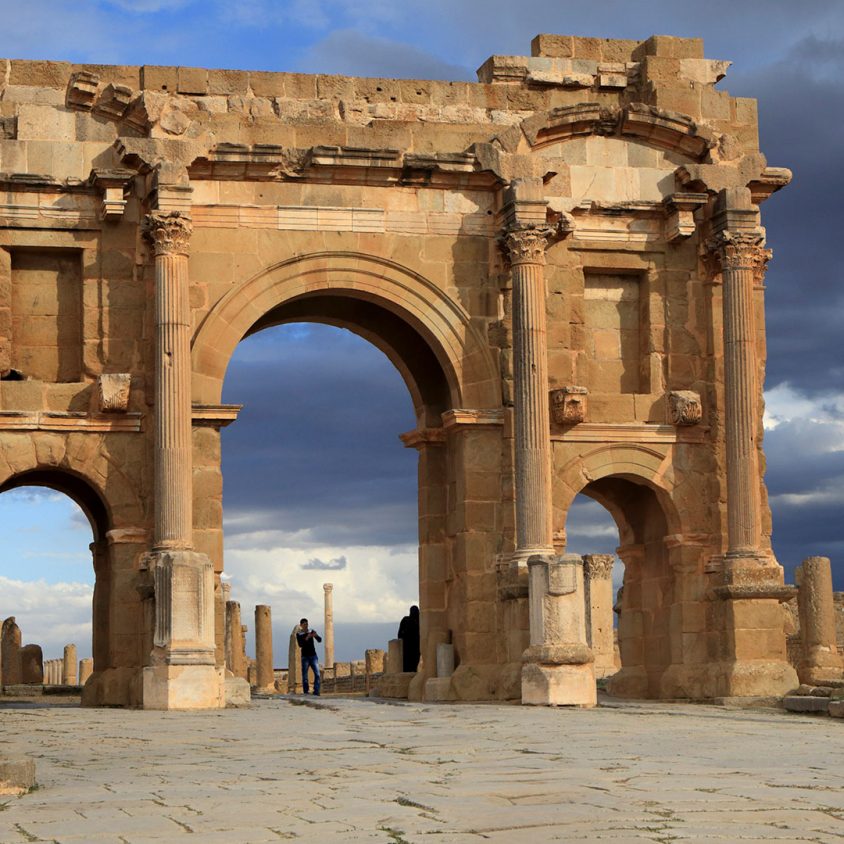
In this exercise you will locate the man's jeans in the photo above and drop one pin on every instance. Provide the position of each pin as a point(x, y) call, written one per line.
point(310, 662)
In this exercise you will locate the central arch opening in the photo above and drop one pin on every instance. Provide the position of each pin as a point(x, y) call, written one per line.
point(318, 486)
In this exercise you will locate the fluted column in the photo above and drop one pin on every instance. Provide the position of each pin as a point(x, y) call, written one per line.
point(170, 235)
point(329, 624)
point(182, 674)
point(742, 258)
point(526, 248)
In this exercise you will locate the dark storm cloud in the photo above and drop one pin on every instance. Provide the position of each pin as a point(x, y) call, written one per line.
point(807, 494)
point(315, 454)
point(335, 564)
point(801, 111)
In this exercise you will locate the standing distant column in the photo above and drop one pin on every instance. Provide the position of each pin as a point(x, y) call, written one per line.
point(69, 675)
point(821, 659)
point(329, 624)
point(264, 681)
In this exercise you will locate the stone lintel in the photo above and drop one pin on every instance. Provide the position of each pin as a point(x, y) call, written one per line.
point(647, 432)
point(215, 415)
point(54, 420)
point(460, 417)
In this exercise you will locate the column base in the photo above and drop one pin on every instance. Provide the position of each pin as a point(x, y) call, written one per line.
point(558, 685)
point(183, 687)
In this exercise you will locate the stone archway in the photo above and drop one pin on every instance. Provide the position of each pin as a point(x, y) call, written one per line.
point(453, 383)
point(119, 615)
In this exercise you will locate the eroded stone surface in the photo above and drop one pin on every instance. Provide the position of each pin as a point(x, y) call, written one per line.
point(415, 773)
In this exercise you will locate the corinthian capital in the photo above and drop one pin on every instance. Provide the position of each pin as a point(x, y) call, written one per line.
point(526, 245)
point(740, 250)
point(168, 231)
point(598, 566)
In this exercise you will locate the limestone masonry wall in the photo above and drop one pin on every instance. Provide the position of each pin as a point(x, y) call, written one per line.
point(566, 264)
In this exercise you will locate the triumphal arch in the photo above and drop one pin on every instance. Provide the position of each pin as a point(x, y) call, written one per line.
point(565, 262)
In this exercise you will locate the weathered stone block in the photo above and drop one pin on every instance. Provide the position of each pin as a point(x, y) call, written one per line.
point(805, 703)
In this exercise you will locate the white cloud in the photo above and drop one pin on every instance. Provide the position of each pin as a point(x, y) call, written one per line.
point(784, 404)
point(377, 584)
point(50, 614)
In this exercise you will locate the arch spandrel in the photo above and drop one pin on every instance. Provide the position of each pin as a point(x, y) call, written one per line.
point(81, 469)
point(442, 323)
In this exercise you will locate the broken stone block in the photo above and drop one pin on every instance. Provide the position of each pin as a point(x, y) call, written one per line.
point(82, 90)
point(17, 776)
point(805, 703)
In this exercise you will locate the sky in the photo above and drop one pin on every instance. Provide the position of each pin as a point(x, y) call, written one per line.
point(330, 495)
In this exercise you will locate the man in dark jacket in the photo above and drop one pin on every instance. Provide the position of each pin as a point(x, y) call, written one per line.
point(305, 640)
point(409, 634)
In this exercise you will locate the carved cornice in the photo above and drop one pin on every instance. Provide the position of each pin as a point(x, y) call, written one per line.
point(168, 232)
point(526, 245)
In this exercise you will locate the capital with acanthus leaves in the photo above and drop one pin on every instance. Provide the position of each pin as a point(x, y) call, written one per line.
point(168, 231)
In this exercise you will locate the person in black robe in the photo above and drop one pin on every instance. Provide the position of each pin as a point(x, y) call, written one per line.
point(409, 634)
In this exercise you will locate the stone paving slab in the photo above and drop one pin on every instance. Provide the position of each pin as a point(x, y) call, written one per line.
point(355, 770)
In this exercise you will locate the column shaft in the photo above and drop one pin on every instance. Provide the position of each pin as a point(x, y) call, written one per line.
point(263, 648)
point(530, 375)
point(173, 482)
point(740, 399)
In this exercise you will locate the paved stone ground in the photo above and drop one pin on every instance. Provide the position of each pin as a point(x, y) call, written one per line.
point(355, 770)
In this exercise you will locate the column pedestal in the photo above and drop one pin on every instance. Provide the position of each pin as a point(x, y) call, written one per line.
point(183, 674)
point(558, 667)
